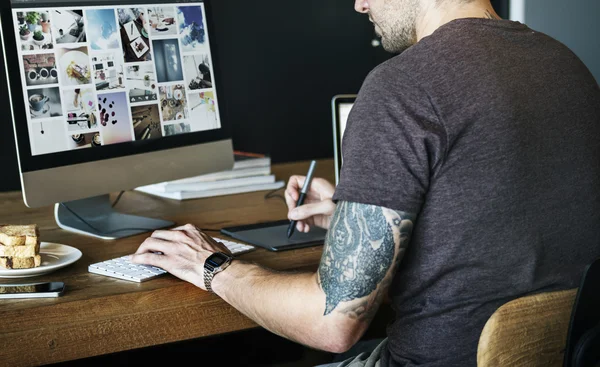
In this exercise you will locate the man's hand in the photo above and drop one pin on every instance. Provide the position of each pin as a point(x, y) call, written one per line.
point(318, 207)
point(180, 251)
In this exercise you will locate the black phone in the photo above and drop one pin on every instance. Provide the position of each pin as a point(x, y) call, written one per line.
point(273, 235)
point(32, 290)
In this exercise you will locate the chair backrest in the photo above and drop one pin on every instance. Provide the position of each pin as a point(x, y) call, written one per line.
point(529, 331)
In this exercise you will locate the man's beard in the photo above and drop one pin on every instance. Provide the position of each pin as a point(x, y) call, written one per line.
point(398, 27)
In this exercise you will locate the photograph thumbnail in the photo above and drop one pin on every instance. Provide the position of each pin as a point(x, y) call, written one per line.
point(44, 103)
point(102, 29)
point(74, 66)
point(40, 69)
point(34, 30)
point(162, 21)
point(134, 29)
point(173, 102)
point(47, 137)
point(176, 129)
point(87, 140)
point(81, 108)
point(146, 122)
point(108, 72)
point(141, 83)
point(115, 118)
point(203, 111)
point(68, 26)
point(191, 29)
point(197, 71)
point(167, 60)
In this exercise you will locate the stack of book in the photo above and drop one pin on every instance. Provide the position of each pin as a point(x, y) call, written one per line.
point(250, 172)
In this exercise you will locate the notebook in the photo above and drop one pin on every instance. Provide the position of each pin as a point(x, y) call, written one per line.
point(341, 105)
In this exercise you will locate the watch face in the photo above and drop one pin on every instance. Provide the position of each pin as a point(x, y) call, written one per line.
point(216, 259)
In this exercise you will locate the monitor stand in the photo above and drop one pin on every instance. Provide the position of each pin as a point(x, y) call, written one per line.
point(106, 223)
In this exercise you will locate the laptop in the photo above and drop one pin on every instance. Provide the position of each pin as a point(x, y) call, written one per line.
point(341, 105)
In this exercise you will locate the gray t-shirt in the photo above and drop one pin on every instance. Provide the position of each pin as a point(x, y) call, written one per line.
point(490, 132)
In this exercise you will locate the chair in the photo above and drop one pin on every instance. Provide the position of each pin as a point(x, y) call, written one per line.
point(554, 329)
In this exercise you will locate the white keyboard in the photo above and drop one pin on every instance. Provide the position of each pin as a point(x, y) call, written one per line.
point(123, 268)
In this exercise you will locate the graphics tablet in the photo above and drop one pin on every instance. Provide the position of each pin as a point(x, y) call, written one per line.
point(273, 235)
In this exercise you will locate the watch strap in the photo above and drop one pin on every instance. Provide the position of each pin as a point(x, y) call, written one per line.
point(210, 271)
point(208, 277)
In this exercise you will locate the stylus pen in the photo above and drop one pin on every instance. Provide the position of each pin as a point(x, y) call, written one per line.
point(303, 192)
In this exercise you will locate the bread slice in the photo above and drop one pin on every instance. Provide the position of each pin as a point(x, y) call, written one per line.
point(20, 251)
point(19, 235)
point(9, 262)
point(20, 288)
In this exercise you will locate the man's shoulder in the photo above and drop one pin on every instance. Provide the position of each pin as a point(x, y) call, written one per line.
point(418, 61)
point(453, 43)
point(410, 67)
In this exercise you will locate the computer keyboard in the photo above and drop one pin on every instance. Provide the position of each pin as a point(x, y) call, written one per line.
point(123, 268)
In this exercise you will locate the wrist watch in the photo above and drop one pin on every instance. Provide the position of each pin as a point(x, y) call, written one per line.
point(213, 265)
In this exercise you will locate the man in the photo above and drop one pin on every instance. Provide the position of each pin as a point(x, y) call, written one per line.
point(206, 81)
point(479, 144)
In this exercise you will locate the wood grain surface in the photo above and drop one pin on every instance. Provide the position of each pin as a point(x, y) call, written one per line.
point(99, 315)
point(529, 332)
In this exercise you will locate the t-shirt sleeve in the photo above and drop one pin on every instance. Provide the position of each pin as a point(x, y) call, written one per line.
point(392, 144)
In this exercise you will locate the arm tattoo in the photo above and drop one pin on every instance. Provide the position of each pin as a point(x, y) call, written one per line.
point(359, 251)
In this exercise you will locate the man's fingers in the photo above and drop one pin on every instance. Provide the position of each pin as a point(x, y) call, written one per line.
point(152, 245)
point(172, 235)
point(292, 190)
point(310, 210)
point(186, 227)
point(324, 187)
point(300, 226)
point(296, 181)
point(149, 258)
point(291, 197)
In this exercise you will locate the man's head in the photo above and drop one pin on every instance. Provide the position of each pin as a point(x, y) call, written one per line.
point(397, 21)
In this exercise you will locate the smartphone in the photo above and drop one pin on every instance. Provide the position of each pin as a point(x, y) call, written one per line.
point(32, 290)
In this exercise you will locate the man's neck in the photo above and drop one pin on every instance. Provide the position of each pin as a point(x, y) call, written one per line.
point(433, 17)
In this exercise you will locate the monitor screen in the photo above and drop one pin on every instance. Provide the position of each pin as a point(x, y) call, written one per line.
point(341, 107)
point(100, 75)
point(344, 111)
point(110, 95)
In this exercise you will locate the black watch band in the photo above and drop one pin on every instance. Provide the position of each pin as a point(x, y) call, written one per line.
point(213, 265)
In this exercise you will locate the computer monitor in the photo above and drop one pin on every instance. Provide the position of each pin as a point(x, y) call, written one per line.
point(341, 105)
point(109, 95)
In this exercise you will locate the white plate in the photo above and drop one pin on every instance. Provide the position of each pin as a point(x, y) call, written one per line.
point(54, 257)
point(80, 59)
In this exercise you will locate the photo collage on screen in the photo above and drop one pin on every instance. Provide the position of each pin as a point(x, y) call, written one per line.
point(97, 76)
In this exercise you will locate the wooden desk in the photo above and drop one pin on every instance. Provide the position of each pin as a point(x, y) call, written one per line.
point(100, 315)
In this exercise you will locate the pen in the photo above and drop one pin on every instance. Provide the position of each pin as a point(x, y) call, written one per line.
point(303, 192)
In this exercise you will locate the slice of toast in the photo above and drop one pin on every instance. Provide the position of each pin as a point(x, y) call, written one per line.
point(9, 262)
point(21, 288)
point(20, 251)
point(19, 235)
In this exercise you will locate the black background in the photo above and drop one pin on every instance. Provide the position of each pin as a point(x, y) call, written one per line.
point(281, 63)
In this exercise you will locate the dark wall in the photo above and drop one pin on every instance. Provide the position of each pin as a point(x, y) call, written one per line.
point(501, 7)
point(281, 62)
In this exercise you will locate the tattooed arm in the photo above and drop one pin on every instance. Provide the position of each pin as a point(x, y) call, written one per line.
point(330, 309)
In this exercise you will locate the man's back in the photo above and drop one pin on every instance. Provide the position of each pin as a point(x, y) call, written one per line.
point(502, 144)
